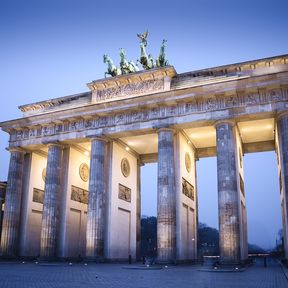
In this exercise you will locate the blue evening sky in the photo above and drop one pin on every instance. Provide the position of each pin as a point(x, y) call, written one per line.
point(53, 48)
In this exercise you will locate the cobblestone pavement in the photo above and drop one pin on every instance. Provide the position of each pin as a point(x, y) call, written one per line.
point(16, 275)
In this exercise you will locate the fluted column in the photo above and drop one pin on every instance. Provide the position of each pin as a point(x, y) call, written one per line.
point(138, 213)
point(2, 200)
point(166, 202)
point(228, 197)
point(282, 124)
point(50, 217)
point(11, 219)
point(96, 201)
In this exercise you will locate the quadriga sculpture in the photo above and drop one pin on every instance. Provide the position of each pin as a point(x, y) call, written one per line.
point(161, 61)
point(126, 66)
point(111, 68)
point(145, 59)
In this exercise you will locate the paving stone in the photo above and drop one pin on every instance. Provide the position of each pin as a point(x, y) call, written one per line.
point(113, 275)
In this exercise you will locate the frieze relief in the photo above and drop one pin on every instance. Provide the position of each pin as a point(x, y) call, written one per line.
point(124, 193)
point(187, 189)
point(131, 89)
point(38, 195)
point(198, 104)
point(79, 195)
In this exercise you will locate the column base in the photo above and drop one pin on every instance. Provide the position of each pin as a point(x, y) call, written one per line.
point(166, 261)
point(222, 264)
point(48, 259)
point(94, 259)
point(9, 257)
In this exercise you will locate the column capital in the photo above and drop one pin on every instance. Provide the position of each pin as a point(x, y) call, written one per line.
point(228, 121)
point(16, 149)
point(281, 114)
point(97, 137)
point(166, 129)
point(53, 143)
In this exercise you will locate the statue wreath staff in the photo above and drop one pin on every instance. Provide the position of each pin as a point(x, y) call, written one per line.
point(146, 60)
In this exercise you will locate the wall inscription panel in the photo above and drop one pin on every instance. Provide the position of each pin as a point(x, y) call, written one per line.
point(79, 195)
point(187, 189)
point(38, 195)
point(124, 193)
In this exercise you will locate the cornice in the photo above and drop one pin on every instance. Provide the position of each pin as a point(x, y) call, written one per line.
point(124, 86)
point(169, 98)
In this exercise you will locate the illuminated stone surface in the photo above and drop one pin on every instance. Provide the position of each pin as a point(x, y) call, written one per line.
point(96, 201)
point(128, 111)
point(166, 200)
point(10, 226)
point(50, 218)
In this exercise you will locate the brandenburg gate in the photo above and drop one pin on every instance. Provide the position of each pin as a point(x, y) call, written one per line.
point(73, 187)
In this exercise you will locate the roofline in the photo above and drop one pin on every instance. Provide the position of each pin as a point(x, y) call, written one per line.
point(235, 64)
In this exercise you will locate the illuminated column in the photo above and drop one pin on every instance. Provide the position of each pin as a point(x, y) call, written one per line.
point(282, 129)
point(96, 201)
point(138, 213)
point(166, 202)
point(2, 200)
point(50, 217)
point(228, 194)
point(11, 219)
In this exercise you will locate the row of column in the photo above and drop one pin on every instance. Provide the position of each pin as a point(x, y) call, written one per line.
point(51, 215)
point(228, 197)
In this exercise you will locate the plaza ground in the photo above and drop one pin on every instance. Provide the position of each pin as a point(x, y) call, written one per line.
point(29, 274)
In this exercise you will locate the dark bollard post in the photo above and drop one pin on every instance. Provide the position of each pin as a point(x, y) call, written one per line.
point(130, 259)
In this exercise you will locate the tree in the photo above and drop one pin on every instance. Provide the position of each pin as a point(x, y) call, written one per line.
point(149, 236)
point(208, 240)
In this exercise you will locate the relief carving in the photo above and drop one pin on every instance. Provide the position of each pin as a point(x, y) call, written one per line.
point(231, 101)
point(79, 195)
point(251, 99)
point(199, 104)
point(136, 116)
point(124, 193)
point(188, 162)
point(125, 167)
point(38, 195)
point(275, 95)
point(143, 87)
point(187, 189)
point(84, 172)
point(211, 104)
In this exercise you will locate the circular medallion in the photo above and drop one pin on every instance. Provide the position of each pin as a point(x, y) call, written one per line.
point(44, 174)
point(125, 167)
point(84, 172)
point(187, 162)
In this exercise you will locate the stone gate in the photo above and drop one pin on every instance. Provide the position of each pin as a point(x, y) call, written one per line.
point(73, 187)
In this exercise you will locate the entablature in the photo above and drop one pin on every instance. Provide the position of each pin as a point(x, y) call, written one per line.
point(154, 81)
point(210, 102)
